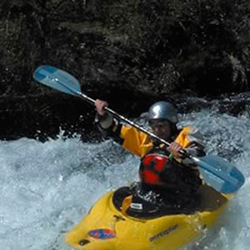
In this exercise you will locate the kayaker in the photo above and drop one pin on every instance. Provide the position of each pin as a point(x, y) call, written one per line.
point(163, 170)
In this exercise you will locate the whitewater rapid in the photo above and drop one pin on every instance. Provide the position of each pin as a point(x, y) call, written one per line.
point(46, 188)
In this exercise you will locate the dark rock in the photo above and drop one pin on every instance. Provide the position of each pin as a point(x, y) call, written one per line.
point(131, 53)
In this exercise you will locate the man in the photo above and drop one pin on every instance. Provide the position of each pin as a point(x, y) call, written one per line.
point(164, 170)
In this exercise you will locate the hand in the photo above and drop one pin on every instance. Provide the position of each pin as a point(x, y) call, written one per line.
point(174, 148)
point(100, 107)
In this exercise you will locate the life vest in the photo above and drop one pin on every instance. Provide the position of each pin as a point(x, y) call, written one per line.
point(140, 144)
point(156, 169)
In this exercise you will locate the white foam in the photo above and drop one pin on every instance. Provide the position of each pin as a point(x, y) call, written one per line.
point(47, 187)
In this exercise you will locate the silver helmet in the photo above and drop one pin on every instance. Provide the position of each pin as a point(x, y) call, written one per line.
point(163, 110)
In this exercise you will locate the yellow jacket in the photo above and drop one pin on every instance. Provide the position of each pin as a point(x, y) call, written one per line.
point(140, 143)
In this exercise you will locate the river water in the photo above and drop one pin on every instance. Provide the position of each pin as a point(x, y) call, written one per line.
point(46, 188)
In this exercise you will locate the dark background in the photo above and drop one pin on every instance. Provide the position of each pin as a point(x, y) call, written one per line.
point(131, 53)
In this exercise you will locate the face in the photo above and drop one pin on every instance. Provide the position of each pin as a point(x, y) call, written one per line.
point(161, 128)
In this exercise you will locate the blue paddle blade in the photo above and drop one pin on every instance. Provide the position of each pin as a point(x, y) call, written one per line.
point(57, 79)
point(220, 174)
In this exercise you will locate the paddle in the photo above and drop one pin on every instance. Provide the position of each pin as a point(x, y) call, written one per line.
point(216, 171)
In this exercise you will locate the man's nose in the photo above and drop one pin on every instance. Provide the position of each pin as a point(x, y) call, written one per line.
point(156, 129)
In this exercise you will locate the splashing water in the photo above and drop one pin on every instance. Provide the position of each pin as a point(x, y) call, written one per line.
point(46, 188)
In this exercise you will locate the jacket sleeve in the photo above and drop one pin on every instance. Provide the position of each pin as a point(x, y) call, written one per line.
point(134, 141)
point(192, 141)
point(130, 138)
point(109, 127)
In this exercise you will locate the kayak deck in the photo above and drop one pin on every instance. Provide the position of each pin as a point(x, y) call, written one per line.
point(105, 227)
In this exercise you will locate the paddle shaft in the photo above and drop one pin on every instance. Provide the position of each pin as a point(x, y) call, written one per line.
point(92, 101)
point(152, 135)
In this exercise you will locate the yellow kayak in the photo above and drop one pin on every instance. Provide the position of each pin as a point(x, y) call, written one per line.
point(112, 225)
